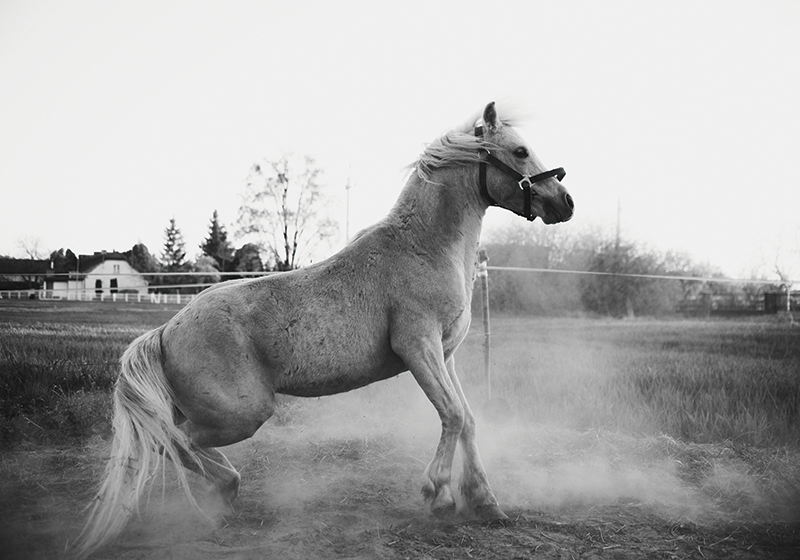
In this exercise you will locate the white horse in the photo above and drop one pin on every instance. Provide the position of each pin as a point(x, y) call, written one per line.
point(396, 299)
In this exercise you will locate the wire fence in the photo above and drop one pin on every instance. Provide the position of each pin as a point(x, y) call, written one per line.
point(649, 276)
point(184, 292)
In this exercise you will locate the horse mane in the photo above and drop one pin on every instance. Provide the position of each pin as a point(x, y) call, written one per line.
point(460, 146)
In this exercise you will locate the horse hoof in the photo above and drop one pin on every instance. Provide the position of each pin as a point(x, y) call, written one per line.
point(443, 505)
point(428, 491)
point(492, 515)
point(444, 511)
point(230, 491)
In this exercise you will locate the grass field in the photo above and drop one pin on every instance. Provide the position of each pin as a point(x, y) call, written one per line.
point(697, 381)
point(58, 362)
point(700, 417)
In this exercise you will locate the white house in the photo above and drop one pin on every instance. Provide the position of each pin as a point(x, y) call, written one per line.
point(100, 275)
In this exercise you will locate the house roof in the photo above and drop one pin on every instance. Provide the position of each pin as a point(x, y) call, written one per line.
point(32, 267)
point(28, 267)
point(88, 262)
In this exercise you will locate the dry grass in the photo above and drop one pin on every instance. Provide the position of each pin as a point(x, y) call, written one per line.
point(696, 381)
point(614, 437)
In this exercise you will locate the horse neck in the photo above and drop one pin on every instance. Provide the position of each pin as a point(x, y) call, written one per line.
point(442, 215)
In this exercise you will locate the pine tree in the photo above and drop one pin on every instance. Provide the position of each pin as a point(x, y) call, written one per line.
point(216, 245)
point(174, 254)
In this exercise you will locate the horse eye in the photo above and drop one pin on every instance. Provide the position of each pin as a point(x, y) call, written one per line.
point(521, 153)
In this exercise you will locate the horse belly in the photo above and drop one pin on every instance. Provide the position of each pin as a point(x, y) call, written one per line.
point(329, 358)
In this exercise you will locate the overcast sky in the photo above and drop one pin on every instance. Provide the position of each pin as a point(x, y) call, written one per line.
point(117, 116)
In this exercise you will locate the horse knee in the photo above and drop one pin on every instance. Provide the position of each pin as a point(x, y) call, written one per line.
point(454, 418)
point(468, 427)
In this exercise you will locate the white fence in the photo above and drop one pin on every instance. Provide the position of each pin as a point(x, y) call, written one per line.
point(180, 299)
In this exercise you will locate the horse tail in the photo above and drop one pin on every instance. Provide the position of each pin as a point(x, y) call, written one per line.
point(144, 432)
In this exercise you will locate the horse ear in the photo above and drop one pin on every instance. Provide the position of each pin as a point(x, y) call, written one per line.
point(490, 120)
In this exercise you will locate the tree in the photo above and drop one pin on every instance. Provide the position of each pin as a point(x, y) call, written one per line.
point(248, 259)
point(283, 208)
point(64, 261)
point(31, 246)
point(139, 257)
point(612, 292)
point(174, 254)
point(173, 257)
point(607, 293)
point(207, 264)
point(216, 245)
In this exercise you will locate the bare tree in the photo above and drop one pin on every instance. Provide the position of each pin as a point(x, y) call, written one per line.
point(283, 208)
point(31, 246)
point(786, 264)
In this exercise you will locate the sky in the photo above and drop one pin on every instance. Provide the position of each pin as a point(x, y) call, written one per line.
point(680, 118)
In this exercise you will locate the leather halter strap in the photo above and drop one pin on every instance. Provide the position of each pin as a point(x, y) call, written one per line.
point(525, 182)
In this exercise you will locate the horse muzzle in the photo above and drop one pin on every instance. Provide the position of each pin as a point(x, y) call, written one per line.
point(559, 210)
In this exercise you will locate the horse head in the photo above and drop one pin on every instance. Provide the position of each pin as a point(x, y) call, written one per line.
point(512, 177)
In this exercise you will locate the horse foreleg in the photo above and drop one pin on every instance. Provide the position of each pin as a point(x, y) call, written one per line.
point(428, 368)
point(474, 482)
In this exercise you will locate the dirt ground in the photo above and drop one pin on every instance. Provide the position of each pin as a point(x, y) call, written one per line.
point(339, 478)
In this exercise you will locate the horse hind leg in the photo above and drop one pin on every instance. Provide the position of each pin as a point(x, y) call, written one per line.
point(214, 467)
point(218, 414)
point(209, 462)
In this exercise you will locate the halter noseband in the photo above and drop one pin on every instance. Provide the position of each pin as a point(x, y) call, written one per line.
point(525, 182)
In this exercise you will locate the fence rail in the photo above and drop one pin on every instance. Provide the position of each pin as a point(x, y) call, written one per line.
point(107, 294)
point(157, 298)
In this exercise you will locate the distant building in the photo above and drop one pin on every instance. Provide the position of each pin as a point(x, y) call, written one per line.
point(99, 275)
point(23, 274)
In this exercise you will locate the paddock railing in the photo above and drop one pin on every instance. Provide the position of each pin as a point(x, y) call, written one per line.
point(81, 295)
point(181, 294)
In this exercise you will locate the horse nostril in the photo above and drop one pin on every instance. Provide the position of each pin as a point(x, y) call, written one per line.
point(568, 200)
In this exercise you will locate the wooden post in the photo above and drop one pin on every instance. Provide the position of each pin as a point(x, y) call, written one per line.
point(483, 274)
point(789, 298)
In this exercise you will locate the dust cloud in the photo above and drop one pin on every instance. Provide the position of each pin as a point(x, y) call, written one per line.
point(380, 438)
point(355, 462)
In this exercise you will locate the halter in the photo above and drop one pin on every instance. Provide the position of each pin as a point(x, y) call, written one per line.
point(525, 182)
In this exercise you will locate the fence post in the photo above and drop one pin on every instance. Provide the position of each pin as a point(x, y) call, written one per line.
point(483, 274)
point(789, 298)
